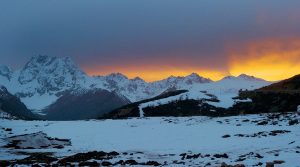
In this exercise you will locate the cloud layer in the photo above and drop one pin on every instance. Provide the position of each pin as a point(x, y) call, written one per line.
point(155, 39)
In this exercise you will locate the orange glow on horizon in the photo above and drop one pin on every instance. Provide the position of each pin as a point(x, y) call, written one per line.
point(272, 59)
point(155, 75)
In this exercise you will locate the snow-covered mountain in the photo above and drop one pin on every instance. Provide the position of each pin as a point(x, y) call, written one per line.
point(221, 93)
point(40, 82)
point(243, 77)
point(51, 74)
point(180, 82)
point(44, 79)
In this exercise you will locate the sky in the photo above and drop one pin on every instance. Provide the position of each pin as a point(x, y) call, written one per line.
point(155, 39)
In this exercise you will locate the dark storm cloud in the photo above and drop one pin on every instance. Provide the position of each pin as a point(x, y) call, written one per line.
point(101, 33)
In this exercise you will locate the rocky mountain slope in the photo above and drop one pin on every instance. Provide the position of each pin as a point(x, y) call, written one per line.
point(85, 105)
point(11, 106)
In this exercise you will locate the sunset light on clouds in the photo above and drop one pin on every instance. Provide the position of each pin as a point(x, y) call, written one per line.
point(271, 59)
point(161, 73)
point(233, 37)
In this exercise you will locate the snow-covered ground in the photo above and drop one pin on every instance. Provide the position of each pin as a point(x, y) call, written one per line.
point(164, 139)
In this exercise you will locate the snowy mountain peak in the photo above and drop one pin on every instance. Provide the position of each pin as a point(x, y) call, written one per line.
point(172, 78)
point(138, 79)
point(193, 75)
point(41, 59)
point(243, 77)
point(195, 78)
point(249, 78)
point(117, 77)
point(189, 79)
point(228, 77)
point(6, 72)
point(44, 61)
point(47, 73)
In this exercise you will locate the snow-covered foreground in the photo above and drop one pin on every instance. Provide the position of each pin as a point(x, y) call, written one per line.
point(164, 139)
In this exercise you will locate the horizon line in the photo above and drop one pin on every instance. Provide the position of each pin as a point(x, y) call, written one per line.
point(98, 74)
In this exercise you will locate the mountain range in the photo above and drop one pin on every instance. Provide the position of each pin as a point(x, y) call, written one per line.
point(51, 85)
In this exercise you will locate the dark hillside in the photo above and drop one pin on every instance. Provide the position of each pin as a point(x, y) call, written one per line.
point(85, 105)
point(13, 105)
point(132, 110)
point(283, 96)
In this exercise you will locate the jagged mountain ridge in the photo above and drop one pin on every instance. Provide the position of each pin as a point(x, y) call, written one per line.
point(243, 77)
point(51, 73)
point(44, 79)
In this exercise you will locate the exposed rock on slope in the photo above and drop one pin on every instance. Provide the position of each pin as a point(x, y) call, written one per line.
point(12, 105)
